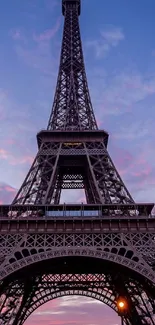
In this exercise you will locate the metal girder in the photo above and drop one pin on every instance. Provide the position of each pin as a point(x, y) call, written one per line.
point(72, 108)
point(136, 251)
point(80, 144)
point(132, 273)
point(73, 165)
point(47, 287)
point(103, 249)
point(22, 296)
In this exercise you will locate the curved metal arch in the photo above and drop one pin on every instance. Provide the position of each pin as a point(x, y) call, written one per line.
point(87, 293)
point(139, 267)
point(18, 300)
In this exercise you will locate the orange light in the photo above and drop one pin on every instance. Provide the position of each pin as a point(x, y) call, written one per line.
point(121, 304)
point(72, 143)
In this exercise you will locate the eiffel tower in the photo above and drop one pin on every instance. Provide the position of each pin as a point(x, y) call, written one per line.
point(104, 249)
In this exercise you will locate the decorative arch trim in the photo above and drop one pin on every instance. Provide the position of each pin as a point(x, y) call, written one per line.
point(138, 267)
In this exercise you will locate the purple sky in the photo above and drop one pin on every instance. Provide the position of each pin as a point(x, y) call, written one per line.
point(74, 310)
point(119, 49)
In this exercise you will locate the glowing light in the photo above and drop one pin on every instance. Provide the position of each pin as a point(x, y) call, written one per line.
point(121, 304)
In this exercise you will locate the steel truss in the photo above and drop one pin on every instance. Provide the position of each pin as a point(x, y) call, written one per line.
point(22, 297)
point(72, 152)
point(103, 249)
point(72, 165)
point(134, 251)
point(72, 108)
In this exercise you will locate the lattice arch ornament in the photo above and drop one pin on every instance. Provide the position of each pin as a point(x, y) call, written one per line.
point(64, 285)
point(18, 251)
point(16, 300)
point(36, 231)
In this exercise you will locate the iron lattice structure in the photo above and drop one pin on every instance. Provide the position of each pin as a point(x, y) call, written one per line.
point(103, 249)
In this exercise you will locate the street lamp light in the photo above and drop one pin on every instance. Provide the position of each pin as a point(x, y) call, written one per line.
point(121, 304)
point(122, 307)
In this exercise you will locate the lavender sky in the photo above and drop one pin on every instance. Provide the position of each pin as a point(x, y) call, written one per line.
point(119, 49)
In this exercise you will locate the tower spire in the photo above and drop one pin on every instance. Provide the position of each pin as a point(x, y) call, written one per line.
point(72, 108)
point(72, 151)
point(104, 249)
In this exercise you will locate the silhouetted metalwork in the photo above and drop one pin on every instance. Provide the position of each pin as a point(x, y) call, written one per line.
point(104, 249)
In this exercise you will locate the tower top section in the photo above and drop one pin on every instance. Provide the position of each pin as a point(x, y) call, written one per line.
point(70, 4)
point(72, 108)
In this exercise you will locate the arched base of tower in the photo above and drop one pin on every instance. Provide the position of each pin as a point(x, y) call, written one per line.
point(26, 290)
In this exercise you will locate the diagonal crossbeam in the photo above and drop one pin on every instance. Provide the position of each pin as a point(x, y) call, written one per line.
point(103, 249)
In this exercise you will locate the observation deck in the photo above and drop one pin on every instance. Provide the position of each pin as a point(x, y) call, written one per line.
point(77, 218)
point(73, 211)
point(72, 136)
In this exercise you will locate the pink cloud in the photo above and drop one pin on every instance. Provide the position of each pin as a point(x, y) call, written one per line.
point(21, 160)
point(136, 170)
point(3, 154)
point(9, 141)
point(37, 54)
point(137, 84)
point(7, 193)
point(141, 167)
point(145, 171)
point(122, 157)
point(47, 34)
point(38, 57)
point(15, 160)
point(16, 34)
point(10, 189)
point(129, 164)
point(99, 123)
point(51, 4)
point(73, 310)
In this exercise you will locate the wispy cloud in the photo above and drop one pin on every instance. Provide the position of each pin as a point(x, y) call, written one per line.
point(3, 103)
point(7, 193)
point(15, 159)
point(136, 130)
point(75, 301)
point(3, 154)
point(47, 34)
point(50, 312)
point(121, 92)
point(117, 94)
point(83, 311)
point(17, 34)
point(110, 37)
point(35, 49)
point(51, 5)
point(137, 170)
